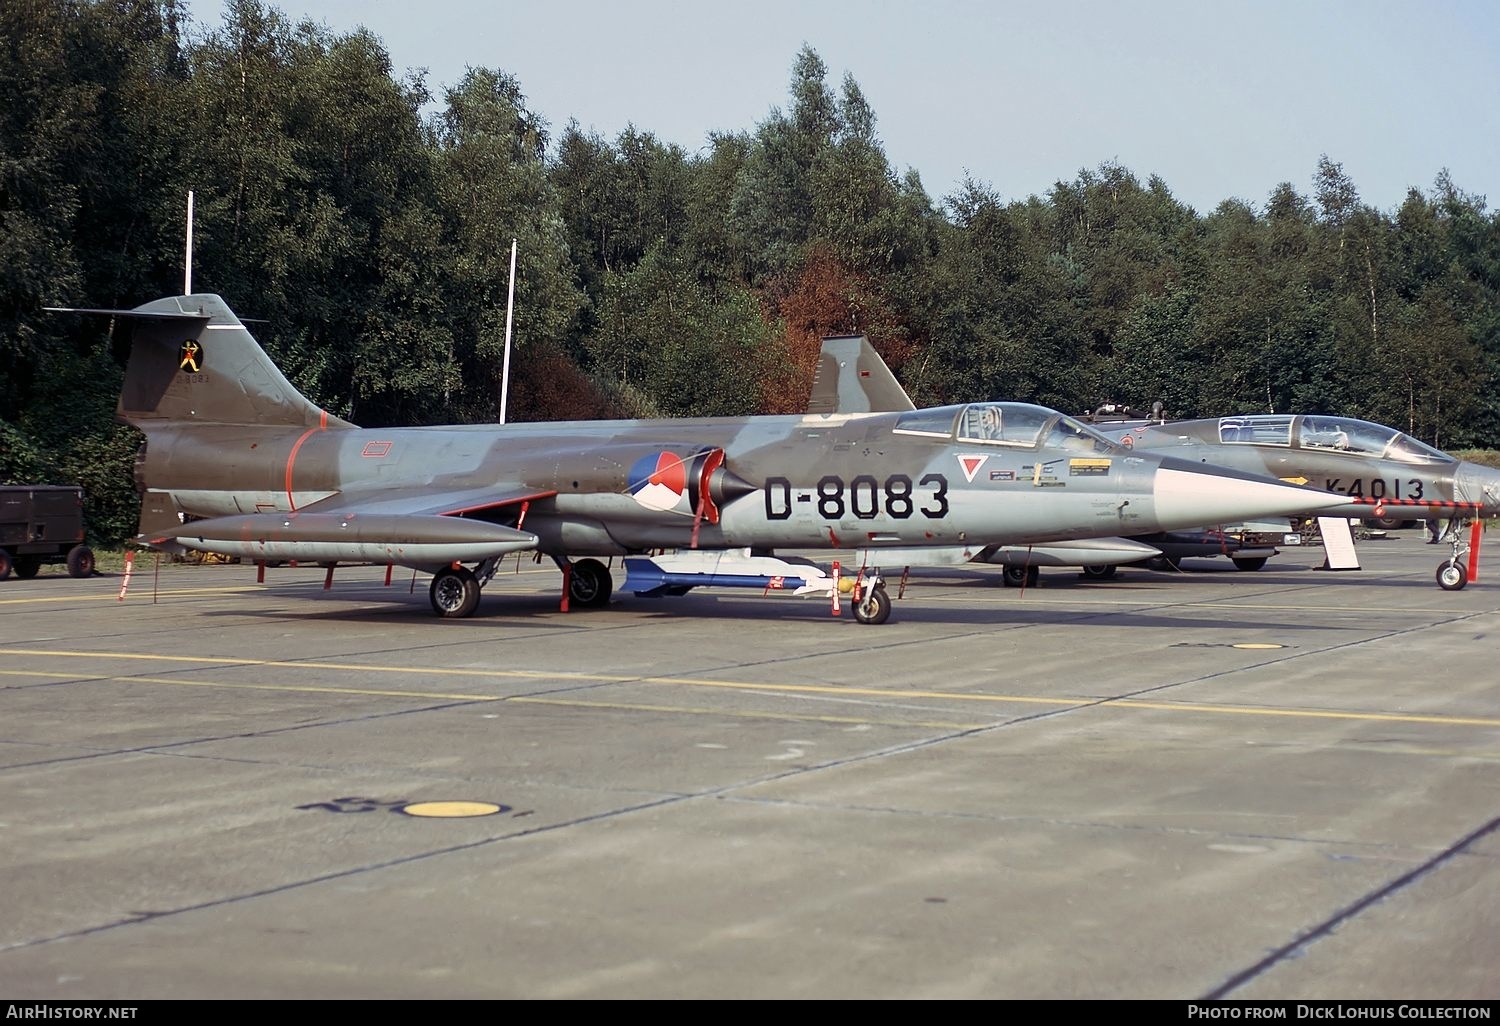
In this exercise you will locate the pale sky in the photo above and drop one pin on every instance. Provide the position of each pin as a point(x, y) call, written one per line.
point(1220, 99)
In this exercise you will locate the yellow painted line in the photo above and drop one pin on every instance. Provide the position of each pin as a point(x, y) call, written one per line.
point(601, 678)
point(1445, 753)
point(37, 673)
point(1280, 607)
point(114, 596)
point(739, 714)
point(138, 590)
point(1311, 714)
point(429, 696)
point(311, 689)
point(818, 689)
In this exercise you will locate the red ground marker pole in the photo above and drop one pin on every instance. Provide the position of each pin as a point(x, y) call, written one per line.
point(129, 564)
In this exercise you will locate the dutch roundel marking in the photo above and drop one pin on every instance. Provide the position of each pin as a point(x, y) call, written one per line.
point(970, 463)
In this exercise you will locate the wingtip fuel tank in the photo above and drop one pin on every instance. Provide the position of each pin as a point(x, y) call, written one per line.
point(414, 541)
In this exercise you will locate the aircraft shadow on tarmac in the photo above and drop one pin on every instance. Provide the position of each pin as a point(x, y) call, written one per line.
point(540, 610)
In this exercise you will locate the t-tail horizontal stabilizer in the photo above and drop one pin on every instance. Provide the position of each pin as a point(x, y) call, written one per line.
point(852, 378)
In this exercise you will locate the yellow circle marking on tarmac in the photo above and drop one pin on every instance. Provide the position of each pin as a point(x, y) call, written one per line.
point(450, 810)
point(1258, 644)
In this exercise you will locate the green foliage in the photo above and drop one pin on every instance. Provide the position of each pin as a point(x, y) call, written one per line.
point(21, 461)
point(676, 348)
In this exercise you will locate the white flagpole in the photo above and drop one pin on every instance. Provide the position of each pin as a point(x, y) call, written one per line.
point(510, 301)
point(187, 267)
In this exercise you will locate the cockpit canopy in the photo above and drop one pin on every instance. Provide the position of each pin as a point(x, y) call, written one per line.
point(1017, 425)
point(1335, 434)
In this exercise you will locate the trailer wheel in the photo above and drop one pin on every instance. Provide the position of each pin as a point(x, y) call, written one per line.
point(1250, 563)
point(27, 566)
point(5, 564)
point(80, 561)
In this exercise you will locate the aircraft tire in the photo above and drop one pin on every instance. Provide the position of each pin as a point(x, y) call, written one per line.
point(589, 585)
point(80, 561)
point(1021, 576)
point(1250, 563)
point(1101, 573)
point(5, 564)
point(873, 607)
point(1451, 576)
point(454, 592)
point(1168, 563)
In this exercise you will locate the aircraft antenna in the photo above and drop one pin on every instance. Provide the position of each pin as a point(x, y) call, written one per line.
point(187, 266)
point(510, 301)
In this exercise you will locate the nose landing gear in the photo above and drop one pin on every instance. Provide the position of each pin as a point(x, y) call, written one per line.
point(1459, 568)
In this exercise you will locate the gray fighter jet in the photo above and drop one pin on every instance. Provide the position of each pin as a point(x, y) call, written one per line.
point(237, 461)
point(1382, 473)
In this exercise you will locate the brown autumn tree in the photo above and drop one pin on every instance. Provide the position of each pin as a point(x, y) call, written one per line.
point(824, 298)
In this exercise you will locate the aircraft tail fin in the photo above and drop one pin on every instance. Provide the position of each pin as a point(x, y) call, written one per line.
point(852, 378)
point(193, 361)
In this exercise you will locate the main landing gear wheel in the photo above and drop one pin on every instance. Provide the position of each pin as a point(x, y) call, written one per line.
point(873, 607)
point(1021, 576)
point(80, 561)
point(455, 592)
point(589, 584)
point(1249, 563)
point(1100, 573)
point(1452, 576)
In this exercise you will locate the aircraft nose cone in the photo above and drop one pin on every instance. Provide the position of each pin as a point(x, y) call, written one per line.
point(1192, 495)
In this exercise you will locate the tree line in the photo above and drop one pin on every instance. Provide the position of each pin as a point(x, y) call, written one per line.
point(367, 225)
